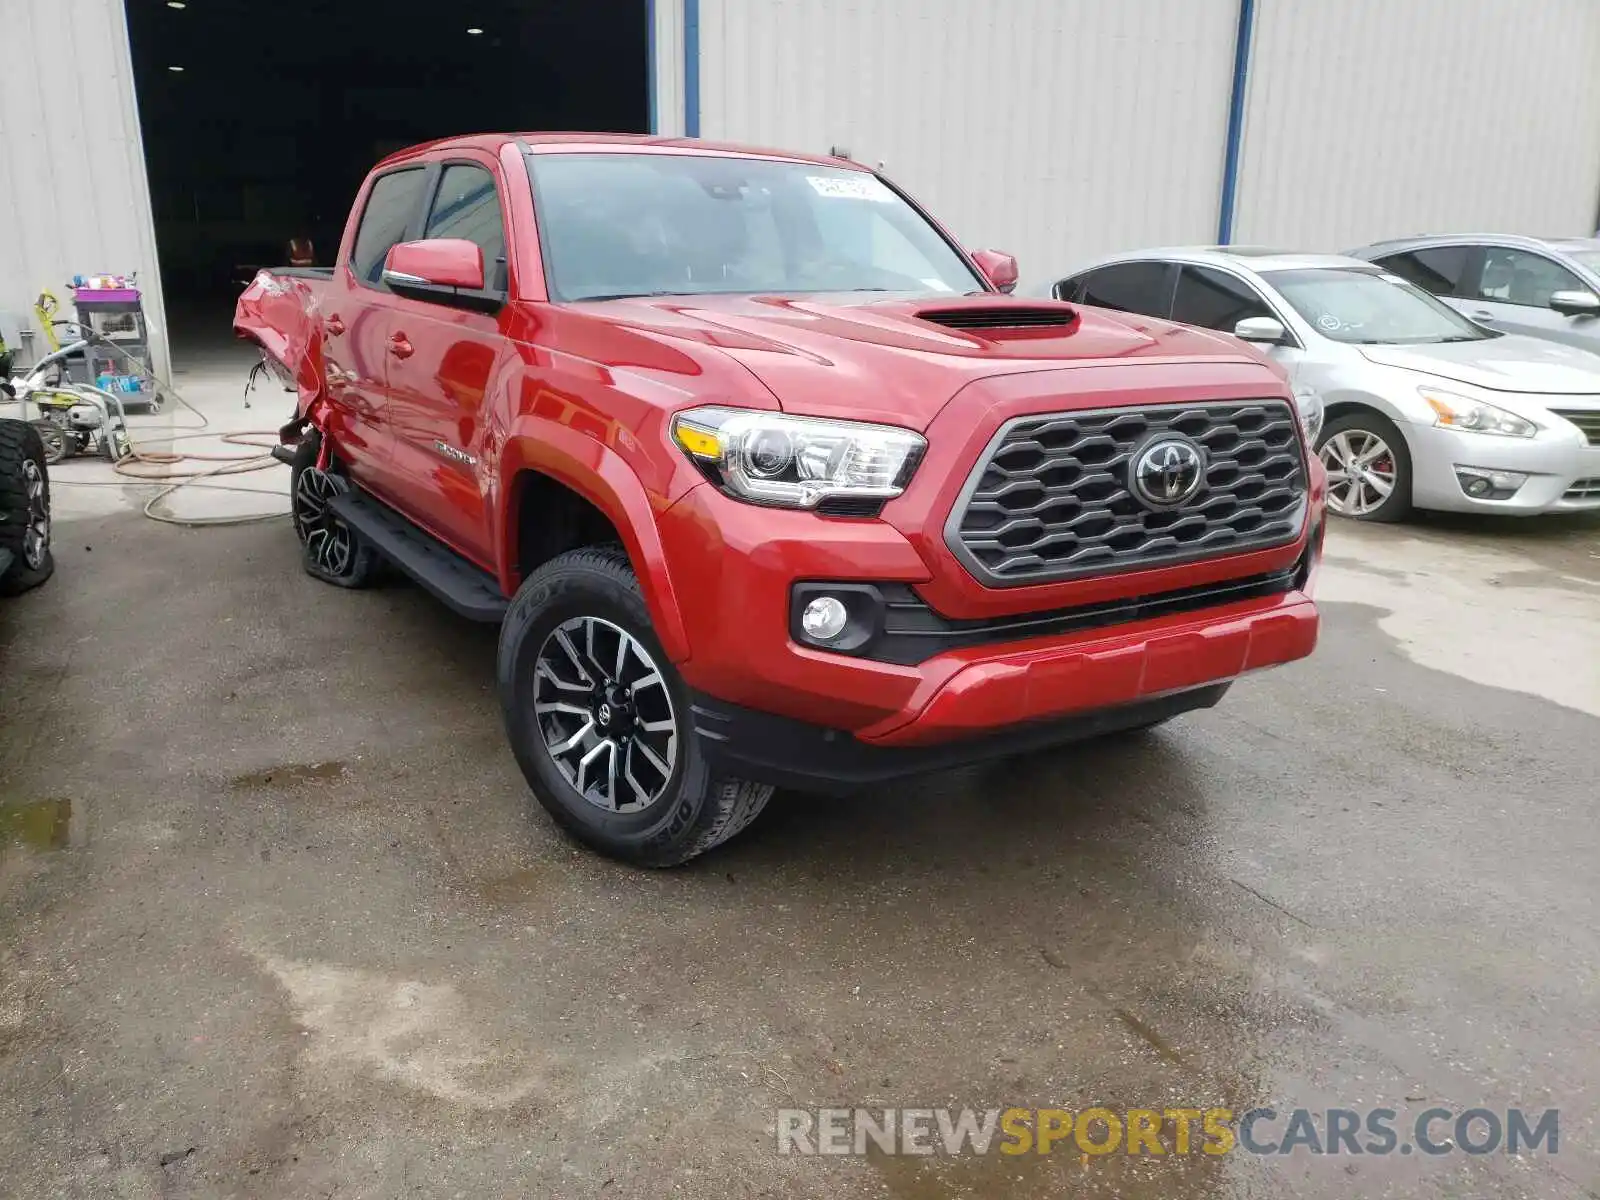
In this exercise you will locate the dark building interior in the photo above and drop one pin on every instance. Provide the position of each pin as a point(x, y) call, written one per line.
point(260, 119)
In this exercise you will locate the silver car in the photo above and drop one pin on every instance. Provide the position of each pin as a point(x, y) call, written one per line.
point(1543, 287)
point(1421, 406)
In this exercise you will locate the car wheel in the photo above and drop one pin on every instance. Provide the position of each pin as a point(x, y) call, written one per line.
point(331, 551)
point(24, 508)
point(57, 443)
point(599, 720)
point(1369, 467)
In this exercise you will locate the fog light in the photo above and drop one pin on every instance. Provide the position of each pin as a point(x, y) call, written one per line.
point(1482, 484)
point(824, 618)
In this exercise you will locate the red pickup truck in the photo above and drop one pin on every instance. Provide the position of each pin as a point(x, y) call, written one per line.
point(767, 481)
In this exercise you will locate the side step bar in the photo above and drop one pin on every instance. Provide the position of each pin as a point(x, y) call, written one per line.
point(469, 590)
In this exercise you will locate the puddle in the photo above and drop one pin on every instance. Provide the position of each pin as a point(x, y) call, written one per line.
point(515, 888)
point(288, 776)
point(1492, 616)
point(41, 824)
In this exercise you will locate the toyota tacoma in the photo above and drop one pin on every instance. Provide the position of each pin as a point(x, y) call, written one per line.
point(767, 481)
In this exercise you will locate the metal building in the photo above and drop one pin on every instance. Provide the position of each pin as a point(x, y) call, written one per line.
point(1054, 129)
point(74, 196)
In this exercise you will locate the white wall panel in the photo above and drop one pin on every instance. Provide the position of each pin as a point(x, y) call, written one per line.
point(1369, 119)
point(667, 18)
point(73, 193)
point(1053, 129)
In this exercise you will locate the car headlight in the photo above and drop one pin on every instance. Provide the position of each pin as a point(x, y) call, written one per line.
point(797, 462)
point(1308, 403)
point(1452, 411)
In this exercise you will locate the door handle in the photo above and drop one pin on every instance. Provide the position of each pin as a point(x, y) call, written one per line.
point(400, 346)
point(334, 326)
point(1480, 315)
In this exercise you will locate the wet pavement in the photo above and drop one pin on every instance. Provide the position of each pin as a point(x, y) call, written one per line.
point(277, 918)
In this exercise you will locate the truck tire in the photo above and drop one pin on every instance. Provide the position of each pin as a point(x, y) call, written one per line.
point(24, 508)
point(330, 550)
point(599, 720)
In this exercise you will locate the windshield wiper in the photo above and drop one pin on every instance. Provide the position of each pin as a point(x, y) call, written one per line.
point(624, 296)
point(740, 292)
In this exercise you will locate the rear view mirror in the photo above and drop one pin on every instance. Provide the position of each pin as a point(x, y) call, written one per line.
point(1575, 304)
point(1268, 330)
point(999, 269)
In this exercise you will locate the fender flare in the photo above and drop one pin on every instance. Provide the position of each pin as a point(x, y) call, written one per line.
point(605, 479)
point(1349, 398)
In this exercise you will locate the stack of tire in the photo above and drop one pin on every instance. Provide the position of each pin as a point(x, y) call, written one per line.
point(25, 557)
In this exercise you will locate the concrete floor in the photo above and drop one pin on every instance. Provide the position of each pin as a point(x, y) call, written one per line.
point(281, 920)
point(205, 451)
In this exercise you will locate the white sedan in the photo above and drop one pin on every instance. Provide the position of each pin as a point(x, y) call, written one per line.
point(1422, 407)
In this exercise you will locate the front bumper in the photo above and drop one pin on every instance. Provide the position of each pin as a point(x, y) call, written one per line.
point(734, 566)
point(1563, 470)
point(813, 758)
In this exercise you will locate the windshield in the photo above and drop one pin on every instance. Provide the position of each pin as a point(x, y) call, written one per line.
point(615, 225)
point(1586, 258)
point(1370, 307)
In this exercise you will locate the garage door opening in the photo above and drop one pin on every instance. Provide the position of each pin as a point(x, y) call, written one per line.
point(260, 120)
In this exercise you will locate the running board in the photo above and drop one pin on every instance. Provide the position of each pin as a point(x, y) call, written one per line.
point(469, 590)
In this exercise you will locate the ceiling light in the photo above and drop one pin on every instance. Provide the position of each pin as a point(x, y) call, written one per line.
point(176, 4)
point(175, 68)
point(474, 30)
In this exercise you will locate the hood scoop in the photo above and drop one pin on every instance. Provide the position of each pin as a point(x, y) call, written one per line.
point(1003, 317)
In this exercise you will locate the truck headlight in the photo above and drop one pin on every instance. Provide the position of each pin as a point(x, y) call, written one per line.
point(1308, 403)
point(797, 462)
point(1474, 416)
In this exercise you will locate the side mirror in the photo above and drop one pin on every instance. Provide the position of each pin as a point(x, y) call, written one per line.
point(1269, 330)
point(439, 262)
point(1575, 304)
point(999, 269)
point(446, 271)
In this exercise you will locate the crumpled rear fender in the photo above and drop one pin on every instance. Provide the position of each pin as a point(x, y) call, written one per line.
point(282, 315)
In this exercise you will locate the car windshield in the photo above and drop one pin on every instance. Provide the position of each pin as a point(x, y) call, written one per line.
point(1586, 258)
point(618, 224)
point(1371, 307)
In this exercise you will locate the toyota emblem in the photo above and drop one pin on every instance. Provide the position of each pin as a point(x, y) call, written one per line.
point(1167, 472)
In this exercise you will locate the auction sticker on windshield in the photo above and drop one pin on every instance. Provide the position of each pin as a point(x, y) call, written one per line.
point(864, 187)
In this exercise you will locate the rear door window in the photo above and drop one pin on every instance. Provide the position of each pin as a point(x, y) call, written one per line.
point(1136, 287)
point(1214, 299)
point(391, 206)
point(467, 205)
point(1441, 270)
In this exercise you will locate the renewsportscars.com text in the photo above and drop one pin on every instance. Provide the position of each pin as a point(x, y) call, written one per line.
point(1178, 1131)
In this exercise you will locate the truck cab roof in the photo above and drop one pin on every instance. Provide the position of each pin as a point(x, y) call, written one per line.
point(601, 143)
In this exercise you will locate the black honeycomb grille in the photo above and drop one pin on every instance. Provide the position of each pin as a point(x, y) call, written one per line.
point(1051, 500)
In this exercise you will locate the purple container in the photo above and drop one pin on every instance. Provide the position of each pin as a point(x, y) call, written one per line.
point(93, 296)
